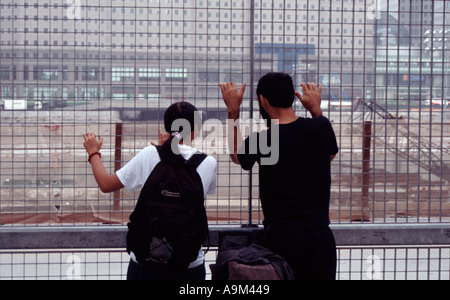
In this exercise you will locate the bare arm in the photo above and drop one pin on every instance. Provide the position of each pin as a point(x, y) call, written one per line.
point(233, 99)
point(107, 183)
point(235, 140)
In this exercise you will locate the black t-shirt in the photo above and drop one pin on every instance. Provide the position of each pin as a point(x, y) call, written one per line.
point(297, 187)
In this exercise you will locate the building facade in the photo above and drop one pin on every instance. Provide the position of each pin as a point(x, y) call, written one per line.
point(118, 53)
point(412, 54)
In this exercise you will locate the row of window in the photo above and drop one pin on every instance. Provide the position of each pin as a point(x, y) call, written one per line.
point(95, 73)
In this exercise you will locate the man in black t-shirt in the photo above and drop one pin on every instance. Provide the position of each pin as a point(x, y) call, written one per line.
point(295, 189)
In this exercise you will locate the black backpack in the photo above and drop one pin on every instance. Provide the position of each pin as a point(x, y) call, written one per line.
point(169, 224)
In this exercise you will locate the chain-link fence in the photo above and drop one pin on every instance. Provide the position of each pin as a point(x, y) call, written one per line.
point(113, 67)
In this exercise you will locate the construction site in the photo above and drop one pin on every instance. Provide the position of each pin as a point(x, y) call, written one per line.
point(392, 168)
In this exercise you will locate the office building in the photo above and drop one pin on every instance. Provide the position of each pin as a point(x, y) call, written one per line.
point(112, 53)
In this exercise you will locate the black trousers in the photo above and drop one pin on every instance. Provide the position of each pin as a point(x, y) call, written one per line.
point(139, 272)
point(310, 251)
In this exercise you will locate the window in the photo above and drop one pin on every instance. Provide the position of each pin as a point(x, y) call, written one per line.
point(147, 74)
point(45, 73)
point(4, 73)
point(176, 74)
point(122, 74)
point(90, 74)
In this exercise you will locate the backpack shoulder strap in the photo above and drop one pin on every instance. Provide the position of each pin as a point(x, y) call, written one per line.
point(160, 153)
point(163, 156)
point(194, 162)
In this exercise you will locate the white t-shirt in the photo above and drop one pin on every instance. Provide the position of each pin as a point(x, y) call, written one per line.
point(135, 174)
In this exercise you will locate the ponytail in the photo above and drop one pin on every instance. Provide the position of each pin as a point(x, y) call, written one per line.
point(171, 150)
point(178, 118)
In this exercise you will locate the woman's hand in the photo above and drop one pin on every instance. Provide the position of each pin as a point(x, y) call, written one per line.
point(163, 137)
point(107, 183)
point(91, 143)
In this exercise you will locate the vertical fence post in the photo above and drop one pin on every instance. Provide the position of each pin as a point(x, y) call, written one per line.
point(367, 142)
point(360, 208)
point(117, 162)
point(251, 108)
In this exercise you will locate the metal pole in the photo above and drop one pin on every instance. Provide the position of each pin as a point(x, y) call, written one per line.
point(252, 95)
point(117, 162)
point(367, 141)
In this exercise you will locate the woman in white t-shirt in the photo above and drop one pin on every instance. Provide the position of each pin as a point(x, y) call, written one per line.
point(135, 174)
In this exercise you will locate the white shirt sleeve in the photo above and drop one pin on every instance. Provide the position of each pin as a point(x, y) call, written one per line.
point(208, 173)
point(134, 175)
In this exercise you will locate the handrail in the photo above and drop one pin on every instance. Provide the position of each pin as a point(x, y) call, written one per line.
point(114, 237)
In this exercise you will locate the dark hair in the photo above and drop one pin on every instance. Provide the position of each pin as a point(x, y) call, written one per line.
point(181, 115)
point(278, 89)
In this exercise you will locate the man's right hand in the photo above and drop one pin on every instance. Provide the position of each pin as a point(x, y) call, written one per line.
point(311, 98)
point(232, 97)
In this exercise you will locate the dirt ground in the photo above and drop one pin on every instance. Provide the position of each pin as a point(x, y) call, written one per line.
point(45, 178)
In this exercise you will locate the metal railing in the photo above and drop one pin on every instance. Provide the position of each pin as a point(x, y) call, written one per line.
point(366, 252)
